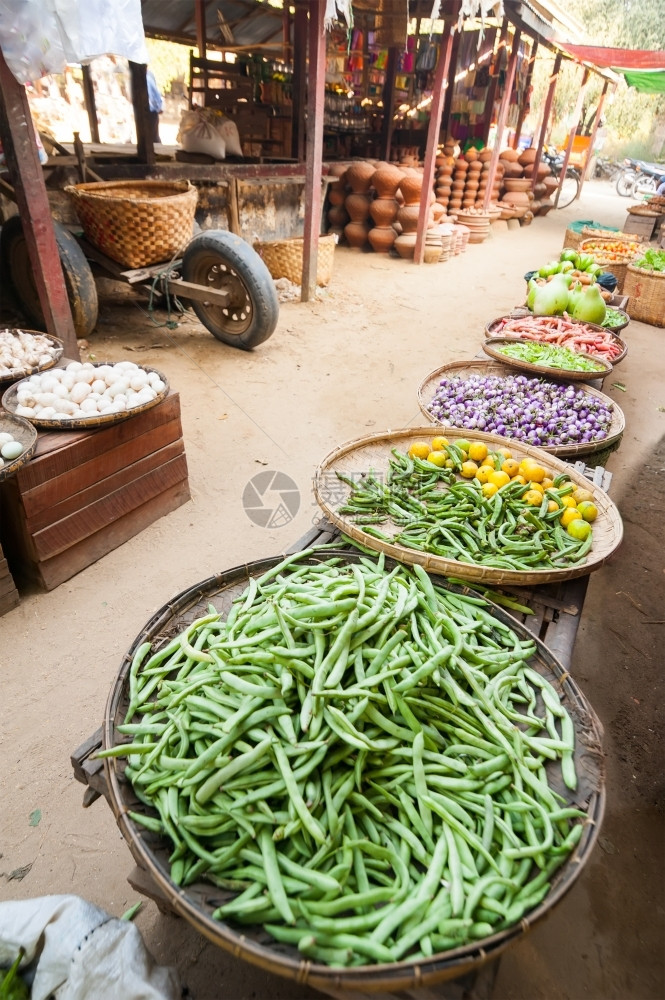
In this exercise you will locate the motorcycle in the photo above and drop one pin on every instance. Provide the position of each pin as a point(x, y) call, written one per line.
point(639, 178)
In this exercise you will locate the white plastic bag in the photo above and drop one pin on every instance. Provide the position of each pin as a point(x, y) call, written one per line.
point(76, 951)
point(198, 135)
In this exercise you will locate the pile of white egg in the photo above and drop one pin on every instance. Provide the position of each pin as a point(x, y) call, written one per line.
point(10, 448)
point(21, 351)
point(86, 390)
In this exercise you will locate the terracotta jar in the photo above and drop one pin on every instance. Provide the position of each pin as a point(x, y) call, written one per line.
point(338, 216)
point(407, 216)
point(356, 234)
point(382, 238)
point(386, 179)
point(405, 245)
point(336, 194)
point(410, 188)
point(383, 211)
point(359, 176)
point(433, 247)
point(437, 211)
point(357, 205)
point(337, 169)
point(528, 156)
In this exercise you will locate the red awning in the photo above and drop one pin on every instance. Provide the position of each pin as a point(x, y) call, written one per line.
point(619, 59)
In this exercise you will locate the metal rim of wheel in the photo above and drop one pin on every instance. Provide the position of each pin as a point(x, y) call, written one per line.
point(569, 191)
point(213, 272)
point(625, 183)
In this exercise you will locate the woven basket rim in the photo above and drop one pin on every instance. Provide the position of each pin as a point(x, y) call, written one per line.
point(107, 190)
point(646, 271)
point(381, 444)
point(428, 386)
point(27, 435)
point(194, 903)
point(594, 326)
point(290, 241)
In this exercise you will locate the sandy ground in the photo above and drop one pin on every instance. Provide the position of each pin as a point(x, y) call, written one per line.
point(336, 369)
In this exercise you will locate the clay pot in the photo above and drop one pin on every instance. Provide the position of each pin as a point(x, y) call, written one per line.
point(550, 184)
point(517, 198)
point(437, 212)
point(383, 211)
point(357, 205)
point(407, 216)
point(385, 180)
point(485, 155)
point(446, 171)
point(474, 168)
point(461, 165)
point(513, 170)
point(359, 176)
point(458, 185)
point(336, 194)
point(338, 216)
point(356, 234)
point(509, 155)
point(382, 238)
point(539, 191)
point(517, 183)
point(410, 187)
point(432, 249)
point(337, 169)
point(471, 155)
point(528, 156)
point(405, 244)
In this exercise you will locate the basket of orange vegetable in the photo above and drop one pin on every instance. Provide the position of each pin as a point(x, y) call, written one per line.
point(613, 255)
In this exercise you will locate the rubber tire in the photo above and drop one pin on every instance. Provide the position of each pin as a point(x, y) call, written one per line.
point(625, 183)
point(79, 280)
point(216, 247)
point(570, 190)
point(644, 185)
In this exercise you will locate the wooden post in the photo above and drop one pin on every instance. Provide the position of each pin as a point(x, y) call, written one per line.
point(20, 147)
point(388, 99)
point(503, 114)
point(299, 82)
point(286, 33)
point(436, 109)
point(145, 148)
point(549, 101)
point(494, 81)
point(527, 86)
point(448, 102)
point(200, 15)
point(571, 137)
point(594, 130)
point(316, 85)
point(90, 103)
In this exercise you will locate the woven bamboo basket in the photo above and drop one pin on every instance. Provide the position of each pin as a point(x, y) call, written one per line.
point(647, 295)
point(197, 902)
point(491, 331)
point(618, 268)
point(137, 222)
point(373, 453)
point(10, 402)
point(284, 258)
point(56, 350)
point(492, 343)
point(464, 369)
point(23, 432)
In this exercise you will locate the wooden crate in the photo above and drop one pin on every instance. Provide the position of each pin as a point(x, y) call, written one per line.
point(86, 492)
point(8, 593)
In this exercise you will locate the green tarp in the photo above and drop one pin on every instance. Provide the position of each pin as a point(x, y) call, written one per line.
point(647, 81)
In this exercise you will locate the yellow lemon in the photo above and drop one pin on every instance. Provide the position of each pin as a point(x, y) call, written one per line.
point(437, 458)
point(579, 529)
point(547, 484)
point(482, 475)
point(551, 506)
point(462, 443)
point(505, 452)
point(419, 449)
point(533, 497)
point(588, 511)
point(498, 478)
point(439, 443)
point(468, 470)
point(488, 463)
point(489, 489)
point(537, 473)
point(510, 466)
point(477, 451)
point(538, 488)
point(568, 501)
point(569, 514)
point(519, 479)
point(581, 494)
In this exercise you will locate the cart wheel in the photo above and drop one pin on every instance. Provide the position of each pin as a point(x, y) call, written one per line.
point(80, 284)
point(218, 259)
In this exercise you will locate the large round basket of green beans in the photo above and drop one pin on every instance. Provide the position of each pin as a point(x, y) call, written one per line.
point(349, 772)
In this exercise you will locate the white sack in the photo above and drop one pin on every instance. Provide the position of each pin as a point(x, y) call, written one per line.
point(197, 134)
point(78, 952)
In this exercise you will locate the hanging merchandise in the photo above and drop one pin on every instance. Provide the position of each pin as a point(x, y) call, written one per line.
point(336, 10)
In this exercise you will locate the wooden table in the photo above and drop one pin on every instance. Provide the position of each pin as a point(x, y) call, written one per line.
point(557, 609)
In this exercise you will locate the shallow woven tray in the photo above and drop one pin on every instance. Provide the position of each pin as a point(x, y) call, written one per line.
point(430, 384)
point(373, 452)
point(87, 423)
point(490, 345)
point(57, 345)
point(593, 326)
point(197, 902)
point(23, 431)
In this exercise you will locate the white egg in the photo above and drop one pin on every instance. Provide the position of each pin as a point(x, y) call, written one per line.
point(45, 398)
point(23, 397)
point(24, 411)
point(104, 405)
point(63, 416)
point(12, 450)
point(34, 382)
point(74, 366)
point(118, 405)
point(79, 392)
point(103, 371)
point(118, 388)
point(65, 406)
point(5, 438)
point(67, 380)
point(49, 383)
point(159, 386)
point(138, 381)
point(47, 412)
point(153, 377)
point(61, 391)
point(89, 406)
point(98, 385)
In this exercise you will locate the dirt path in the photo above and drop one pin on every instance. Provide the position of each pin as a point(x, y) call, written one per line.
point(334, 370)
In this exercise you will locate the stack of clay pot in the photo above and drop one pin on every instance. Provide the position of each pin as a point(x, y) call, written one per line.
point(545, 186)
point(357, 203)
point(477, 222)
point(407, 216)
point(383, 209)
point(337, 214)
point(518, 191)
point(461, 183)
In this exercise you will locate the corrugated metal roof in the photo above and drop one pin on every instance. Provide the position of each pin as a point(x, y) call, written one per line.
point(252, 24)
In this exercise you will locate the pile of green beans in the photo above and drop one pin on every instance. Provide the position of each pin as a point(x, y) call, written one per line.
point(550, 355)
point(359, 753)
point(452, 518)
